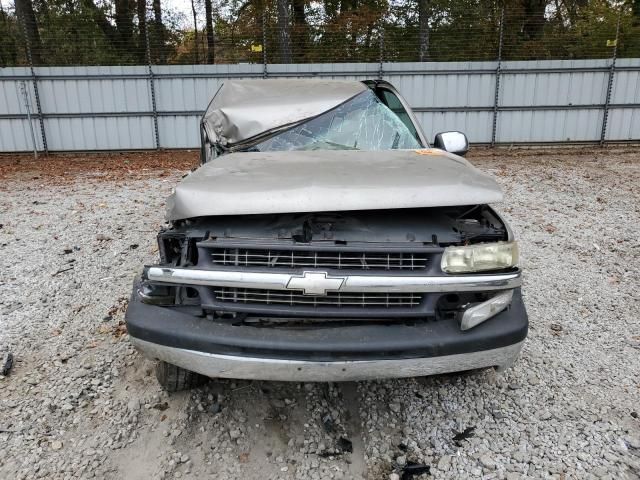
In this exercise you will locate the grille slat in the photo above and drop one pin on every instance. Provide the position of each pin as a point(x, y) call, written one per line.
point(331, 299)
point(319, 259)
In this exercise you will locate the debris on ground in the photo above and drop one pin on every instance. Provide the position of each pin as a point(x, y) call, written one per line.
point(412, 469)
point(6, 363)
point(466, 433)
point(344, 445)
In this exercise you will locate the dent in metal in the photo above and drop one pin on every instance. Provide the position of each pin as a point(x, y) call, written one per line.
point(351, 283)
point(228, 366)
point(336, 180)
point(242, 109)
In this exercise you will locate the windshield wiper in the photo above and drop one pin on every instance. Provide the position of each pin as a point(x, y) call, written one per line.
point(319, 143)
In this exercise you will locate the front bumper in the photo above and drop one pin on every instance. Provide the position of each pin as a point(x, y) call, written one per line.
point(356, 351)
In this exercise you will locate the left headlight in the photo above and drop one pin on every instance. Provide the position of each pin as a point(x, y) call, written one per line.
point(480, 257)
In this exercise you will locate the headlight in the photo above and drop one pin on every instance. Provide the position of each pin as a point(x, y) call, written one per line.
point(478, 313)
point(481, 257)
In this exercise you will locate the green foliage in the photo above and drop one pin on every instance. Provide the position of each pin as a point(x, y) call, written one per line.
point(97, 32)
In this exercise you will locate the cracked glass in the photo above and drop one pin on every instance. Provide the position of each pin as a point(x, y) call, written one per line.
point(362, 123)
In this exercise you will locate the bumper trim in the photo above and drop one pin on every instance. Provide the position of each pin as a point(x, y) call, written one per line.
point(350, 283)
point(251, 368)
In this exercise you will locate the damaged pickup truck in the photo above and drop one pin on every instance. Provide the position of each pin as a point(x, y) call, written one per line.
point(322, 239)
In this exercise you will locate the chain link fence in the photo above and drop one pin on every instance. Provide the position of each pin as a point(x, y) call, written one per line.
point(82, 32)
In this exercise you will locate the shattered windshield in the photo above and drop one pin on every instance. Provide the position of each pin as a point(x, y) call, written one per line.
point(362, 123)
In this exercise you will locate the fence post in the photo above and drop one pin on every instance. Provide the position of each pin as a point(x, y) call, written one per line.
point(36, 93)
point(381, 54)
point(265, 72)
point(25, 98)
point(496, 95)
point(152, 85)
point(612, 73)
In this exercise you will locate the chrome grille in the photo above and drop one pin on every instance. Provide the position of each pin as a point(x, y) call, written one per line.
point(331, 299)
point(353, 260)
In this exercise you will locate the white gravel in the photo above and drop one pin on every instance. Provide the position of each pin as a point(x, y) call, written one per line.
point(81, 403)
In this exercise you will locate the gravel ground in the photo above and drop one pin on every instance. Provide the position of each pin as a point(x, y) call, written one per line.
point(81, 403)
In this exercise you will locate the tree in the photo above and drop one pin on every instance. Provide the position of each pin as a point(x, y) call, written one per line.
point(301, 30)
point(124, 24)
point(27, 15)
point(142, 29)
point(635, 11)
point(534, 20)
point(8, 48)
point(97, 15)
point(195, 31)
point(158, 27)
point(283, 31)
point(211, 53)
point(424, 8)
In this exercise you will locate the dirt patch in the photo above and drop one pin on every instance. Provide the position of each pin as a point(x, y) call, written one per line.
point(64, 168)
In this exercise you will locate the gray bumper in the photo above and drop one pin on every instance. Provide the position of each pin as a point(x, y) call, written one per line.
point(229, 366)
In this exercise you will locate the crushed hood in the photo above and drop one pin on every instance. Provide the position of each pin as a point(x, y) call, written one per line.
point(243, 109)
point(320, 181)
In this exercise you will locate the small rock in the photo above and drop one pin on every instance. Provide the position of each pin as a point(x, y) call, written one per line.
point(394, 407)
point(234, 434)
point(133, 405)
point(444, 462)
point(401, 460)
point(633, 442)
point(394, 476)
point(488, 462)
point(545, 415)
point(56, 445)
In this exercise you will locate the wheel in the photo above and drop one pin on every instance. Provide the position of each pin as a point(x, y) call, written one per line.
point(173, 378)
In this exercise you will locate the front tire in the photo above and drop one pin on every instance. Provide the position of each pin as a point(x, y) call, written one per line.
point(174, 379)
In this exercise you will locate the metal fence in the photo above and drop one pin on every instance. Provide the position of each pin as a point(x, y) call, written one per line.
point(140, 107)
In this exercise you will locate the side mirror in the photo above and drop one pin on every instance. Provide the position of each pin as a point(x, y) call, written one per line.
point(452, 142)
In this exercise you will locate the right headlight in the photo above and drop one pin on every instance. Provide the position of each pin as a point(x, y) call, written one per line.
point(480, 257)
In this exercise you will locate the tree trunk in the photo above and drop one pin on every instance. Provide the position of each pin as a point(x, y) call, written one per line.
point(142, 30)
point(423, 29)
point(25, 12)
point(301, 30)
point(159, 30)
point(124, 25)
point(101, 21)
point(533, 24)
point(211, 53)
point(283, 31)
point(195, 32)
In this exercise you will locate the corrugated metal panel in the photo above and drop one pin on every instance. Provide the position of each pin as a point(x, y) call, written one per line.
point(16, 137)
point(103, 108)
point(476, 125)
point(94, 94)
point(549, 126)
point(179, 131)
point(100, 133)
point(579, 88)
point(623, 124)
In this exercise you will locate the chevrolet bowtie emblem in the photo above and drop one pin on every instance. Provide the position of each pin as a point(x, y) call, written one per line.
point(315, 283)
